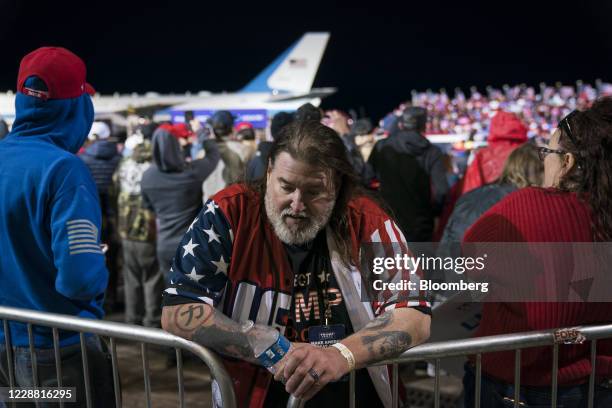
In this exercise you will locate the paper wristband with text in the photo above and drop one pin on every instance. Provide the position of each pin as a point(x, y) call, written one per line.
point(346, 353)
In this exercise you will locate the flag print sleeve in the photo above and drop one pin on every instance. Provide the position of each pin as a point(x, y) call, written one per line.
point(200, 265)
point(386, 239)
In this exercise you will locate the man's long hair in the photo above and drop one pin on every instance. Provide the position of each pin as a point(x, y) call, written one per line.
point(318, 145)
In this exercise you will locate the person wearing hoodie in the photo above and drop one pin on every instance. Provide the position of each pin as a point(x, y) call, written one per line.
point(230, 168)
point(506, 133)
point(257, 166)
point(50, 224)
point(172, 189)
point(412, 175)
point(102, 159)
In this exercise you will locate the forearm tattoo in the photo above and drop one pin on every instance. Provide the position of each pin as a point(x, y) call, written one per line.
point(189, 317)
point(384, 344)
point(380, 322)
point(211, 328)
point(225, 340)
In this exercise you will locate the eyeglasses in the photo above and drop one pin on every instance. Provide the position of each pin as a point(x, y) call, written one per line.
point(545, 151)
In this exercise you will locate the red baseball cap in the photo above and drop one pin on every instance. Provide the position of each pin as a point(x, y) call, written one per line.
point(243, 125)
point(62, 71)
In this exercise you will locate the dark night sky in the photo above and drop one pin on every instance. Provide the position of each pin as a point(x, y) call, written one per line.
point(376, 54)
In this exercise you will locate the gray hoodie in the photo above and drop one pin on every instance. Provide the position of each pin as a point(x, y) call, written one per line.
point(172, 188)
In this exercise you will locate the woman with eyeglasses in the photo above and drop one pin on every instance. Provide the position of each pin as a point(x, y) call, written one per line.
point(573, 205)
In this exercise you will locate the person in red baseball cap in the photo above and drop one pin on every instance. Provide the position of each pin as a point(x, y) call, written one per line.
point(245, 133)
point(50, 223)
point(62, 72)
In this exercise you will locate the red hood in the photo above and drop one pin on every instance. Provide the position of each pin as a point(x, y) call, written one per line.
point(507, 126)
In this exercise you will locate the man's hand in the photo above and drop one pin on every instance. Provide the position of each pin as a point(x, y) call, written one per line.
point(304, 363)
point(278, 367)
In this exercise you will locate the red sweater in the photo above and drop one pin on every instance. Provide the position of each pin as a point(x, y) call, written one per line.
point(541, 215)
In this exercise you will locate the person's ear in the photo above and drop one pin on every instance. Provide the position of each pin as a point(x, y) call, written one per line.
point(569, 162)
point(269, 171)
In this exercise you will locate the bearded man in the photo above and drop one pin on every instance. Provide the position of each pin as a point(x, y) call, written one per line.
point(285, 255)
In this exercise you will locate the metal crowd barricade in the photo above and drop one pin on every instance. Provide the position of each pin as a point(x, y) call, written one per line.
point(114, 331)
point(480, 345)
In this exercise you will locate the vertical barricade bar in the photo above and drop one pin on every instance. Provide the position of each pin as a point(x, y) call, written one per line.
point(85, 370)
point(33, 360)
point(9, 353)
point(293, 402)
point(478, 380)
point(592, 375)
point(116, 384)
point(352, 390)
point(437, 385)
point(33, 356)
point(517, 377)
point(555, 371)
point(179, 373)
point(145, 371)
point(395, 381)
point(9, 356)
point(58, 361)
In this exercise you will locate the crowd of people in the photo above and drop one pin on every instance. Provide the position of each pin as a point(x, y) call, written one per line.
point(539, 108)
point(251, 247)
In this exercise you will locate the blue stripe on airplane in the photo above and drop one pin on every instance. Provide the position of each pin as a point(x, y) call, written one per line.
point(256, 117)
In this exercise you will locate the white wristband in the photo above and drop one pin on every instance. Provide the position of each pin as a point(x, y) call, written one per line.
point(346, 353)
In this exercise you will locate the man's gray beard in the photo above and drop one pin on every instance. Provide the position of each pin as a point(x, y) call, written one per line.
point(296, 235)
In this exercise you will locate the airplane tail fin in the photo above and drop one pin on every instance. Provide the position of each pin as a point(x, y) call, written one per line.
point(295, 69)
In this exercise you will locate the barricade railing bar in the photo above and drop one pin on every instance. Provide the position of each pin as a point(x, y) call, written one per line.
point(112, 330)
point(480, 345)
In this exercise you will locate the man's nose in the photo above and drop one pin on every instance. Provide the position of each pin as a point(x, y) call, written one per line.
point(297, 203)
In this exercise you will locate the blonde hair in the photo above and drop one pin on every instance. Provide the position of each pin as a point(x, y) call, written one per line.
point(523, 167)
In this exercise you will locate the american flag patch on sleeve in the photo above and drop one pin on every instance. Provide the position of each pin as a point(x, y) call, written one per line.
point(82, 237)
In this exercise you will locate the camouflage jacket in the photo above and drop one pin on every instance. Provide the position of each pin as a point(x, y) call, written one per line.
point(135, 222)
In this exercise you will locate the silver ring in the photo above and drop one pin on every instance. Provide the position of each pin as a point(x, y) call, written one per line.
point(314, 375)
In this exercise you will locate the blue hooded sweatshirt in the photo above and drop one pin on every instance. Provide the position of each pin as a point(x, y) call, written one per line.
point(50, 257)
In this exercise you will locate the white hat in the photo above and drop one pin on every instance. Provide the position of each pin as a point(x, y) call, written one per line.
point(99, 130)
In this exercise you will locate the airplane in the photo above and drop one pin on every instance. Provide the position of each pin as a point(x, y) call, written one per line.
point(284, 85)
